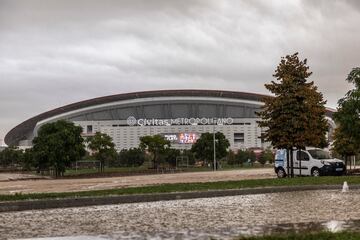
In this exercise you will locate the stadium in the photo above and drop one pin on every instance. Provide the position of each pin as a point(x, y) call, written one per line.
point(181, 116)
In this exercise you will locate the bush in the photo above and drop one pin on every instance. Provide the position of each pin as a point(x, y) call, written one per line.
point(243, 156)
point(266, 156)
point(231, 158)
point(133, 157)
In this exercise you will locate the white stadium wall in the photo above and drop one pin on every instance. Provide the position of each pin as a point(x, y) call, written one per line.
point(180, 115)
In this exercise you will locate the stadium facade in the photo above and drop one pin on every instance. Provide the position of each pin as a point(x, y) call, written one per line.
point(181, 116)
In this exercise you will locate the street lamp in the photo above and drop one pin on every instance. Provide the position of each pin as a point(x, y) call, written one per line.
point(214, 140)
point(215, 122)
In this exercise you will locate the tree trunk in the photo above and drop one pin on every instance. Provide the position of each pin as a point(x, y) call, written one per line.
point(292, 162)
point(288, 162)
point(350, 162)
point(154, 160)
point(346, 159)
point(299, 160)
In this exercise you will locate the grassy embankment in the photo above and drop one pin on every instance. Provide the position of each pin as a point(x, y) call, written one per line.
point(185, 187)
point(310, 236)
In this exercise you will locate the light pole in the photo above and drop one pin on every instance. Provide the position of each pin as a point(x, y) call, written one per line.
point(214, 141)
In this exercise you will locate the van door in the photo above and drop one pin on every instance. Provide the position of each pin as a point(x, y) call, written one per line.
point(280, 159)
point(296, 163)
point(304, 157)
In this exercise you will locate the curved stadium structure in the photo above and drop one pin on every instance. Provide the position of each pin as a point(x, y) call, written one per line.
point(179, 115)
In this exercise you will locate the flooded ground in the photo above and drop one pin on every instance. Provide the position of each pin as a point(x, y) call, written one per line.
point(224, 217)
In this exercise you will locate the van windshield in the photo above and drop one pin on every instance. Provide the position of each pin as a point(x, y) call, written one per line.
point(319, 154)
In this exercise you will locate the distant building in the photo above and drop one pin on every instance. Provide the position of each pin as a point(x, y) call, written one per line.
point(181, 116)
point(2, 146)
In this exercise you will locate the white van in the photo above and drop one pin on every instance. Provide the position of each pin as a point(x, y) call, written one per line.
point(314, 162)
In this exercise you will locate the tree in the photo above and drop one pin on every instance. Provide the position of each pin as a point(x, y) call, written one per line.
point(204, 146)
point(189, 155)
point(344, 145)
point(57, 145)
point(155, 145)
point(169, 156)
point(11, 156)
point(28, 159)
point(347, 133)
point(133, 157)
point(295, 116)
point(103, 147)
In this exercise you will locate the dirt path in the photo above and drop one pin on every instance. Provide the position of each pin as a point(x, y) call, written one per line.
point(69, 185)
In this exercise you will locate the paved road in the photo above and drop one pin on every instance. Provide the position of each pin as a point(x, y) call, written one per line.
point(69, 185)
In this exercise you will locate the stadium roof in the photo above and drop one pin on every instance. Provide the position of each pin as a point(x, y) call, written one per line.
point(21, 131)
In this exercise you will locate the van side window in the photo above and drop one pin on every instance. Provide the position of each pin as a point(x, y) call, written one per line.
point(303, 156)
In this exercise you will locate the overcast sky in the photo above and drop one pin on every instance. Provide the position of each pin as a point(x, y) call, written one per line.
point(54, 53)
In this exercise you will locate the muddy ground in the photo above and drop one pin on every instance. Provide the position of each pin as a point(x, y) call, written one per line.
point(11, 184)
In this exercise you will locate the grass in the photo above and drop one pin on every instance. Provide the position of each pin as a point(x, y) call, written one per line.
point(309, 236)
point(185, 187)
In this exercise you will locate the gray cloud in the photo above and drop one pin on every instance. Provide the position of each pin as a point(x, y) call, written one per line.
point(56, 52)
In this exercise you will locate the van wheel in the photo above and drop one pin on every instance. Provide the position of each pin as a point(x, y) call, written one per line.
point(281, 173)
point(315, 172)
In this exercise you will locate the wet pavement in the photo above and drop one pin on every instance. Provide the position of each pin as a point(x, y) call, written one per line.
point(224, 217)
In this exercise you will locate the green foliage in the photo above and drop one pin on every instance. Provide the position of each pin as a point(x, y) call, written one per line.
point(240, 157)
point(28, 159)
point(11, 157)
point(266, 156)
point(354, 78)
point(295, 117)
point(57, 145)
point(204, 146)
point(169, 156)
point(156, 145)
point(231, 158)
point(245, 156)
point(103, 147)
point(347, 133)
point(343, 144)
point(190, 155)
point(133, 157)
